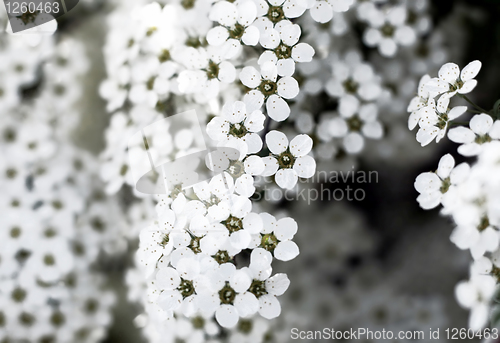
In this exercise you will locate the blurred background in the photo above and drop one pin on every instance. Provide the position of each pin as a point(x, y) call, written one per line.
point(381, 262)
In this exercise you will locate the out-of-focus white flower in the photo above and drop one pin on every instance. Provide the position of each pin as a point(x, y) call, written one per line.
point(432, 186)
point(482, 130)
point(388, 29)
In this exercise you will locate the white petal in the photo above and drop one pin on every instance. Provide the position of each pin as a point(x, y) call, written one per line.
point(168, 278)
point(254, 143)
point(470, 71)
point(269, 306)
point(305, 166)
point(260, 259)
point(286, 228)
point(241, 280)
point(459, 173)
point(449, 72)
point(436, 85)
point(253, 223)
point(227, 316)
point(271, 166)
point(253, 100)
point(286, 178)
point(254, 165)
point(461, 135)
point(468, 87)
point(302, 52)
point(388, 47)
point(270, 39)
point(286, 251)
point(288, 87)
point(277, 284)
point(277, 108)
point(285, 67)
point(247, 12)
point(301, 145)
point(170, 300)
point(495, 130)
point(481, 124)
point(290, 34)
point(227, 72)
point(250, 77)
point(427, 182)
point(456, 112)
point(322, 12)
point(251, 36)
point(246, 304)
point(471, 149)
point(446, 164)
point(354, 143)
point(276, 142)
point(217, 36)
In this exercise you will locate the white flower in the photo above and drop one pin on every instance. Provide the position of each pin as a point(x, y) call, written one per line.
point(276, 237)
point(206, 70)
point(352, 76)
point(482, 130)
point(236, 124)
point(433, 124)
point(355, 122)
point(288, 162)
point(323, 11)
point(419, 103)
point(235, 20)
point(475, 295)
point(479, 239)
point(269, 89)
point(286, 50)
point(388, 29)
point(451, 81)
point(178, 286)
point(432, 186)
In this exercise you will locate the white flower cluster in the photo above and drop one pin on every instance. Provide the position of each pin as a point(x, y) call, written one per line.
point(468, 193)
point(55, 220)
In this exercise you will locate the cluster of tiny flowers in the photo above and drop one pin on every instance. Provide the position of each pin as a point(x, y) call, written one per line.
point(286, 90)
point(54, 219)
point(467, 192)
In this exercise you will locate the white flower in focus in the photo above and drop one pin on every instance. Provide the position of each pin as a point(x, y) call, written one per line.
point(451, 81)
point(288, 162)
point(276, 237)
point(268, 89)
point(238, 127)
point(418, 103)
point(433, 124)
point(482, 130)
point(432, 186)
point(285, 51)
point(235, 20)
